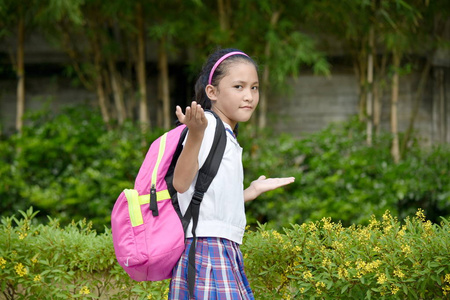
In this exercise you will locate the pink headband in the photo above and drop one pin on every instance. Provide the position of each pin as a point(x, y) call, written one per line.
point(220, 61)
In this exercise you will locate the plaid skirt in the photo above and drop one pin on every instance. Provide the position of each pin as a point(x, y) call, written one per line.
point(219, 272)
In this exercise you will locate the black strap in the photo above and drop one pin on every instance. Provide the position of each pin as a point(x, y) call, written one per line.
point(205, 176)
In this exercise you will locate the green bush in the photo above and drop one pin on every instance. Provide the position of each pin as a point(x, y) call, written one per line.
point(70, 166)
point(50, 262)
point(324, 260)
point(339, 176)
point(386, 259)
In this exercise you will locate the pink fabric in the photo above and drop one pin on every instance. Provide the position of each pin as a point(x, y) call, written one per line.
point(149, 252)
point(220, 60)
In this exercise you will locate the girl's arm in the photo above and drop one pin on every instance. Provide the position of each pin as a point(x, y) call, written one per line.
point(187, 164)
point(263, 184)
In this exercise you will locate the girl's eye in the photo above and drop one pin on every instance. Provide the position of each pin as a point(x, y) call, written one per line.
point(255, 88)
point(238, 86)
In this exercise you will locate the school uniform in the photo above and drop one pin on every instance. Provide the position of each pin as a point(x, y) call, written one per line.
point(221, 225)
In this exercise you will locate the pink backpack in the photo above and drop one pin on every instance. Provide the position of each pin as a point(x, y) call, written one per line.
point(148, 229)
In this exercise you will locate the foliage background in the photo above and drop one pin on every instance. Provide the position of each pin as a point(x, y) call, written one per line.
point(70, 166)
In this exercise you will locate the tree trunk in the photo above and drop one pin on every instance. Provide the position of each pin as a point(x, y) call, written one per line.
point(20, 76)
point(140, 67)
point(68, 45)
point(359, 67)
point(378, 94)
point(223, 18)
point(416, 104)
point(369, 98)
point(262, 120)
point(440, 105)
point(101, 95)
point(163, 68)
point(394, 105)
point(117, 90)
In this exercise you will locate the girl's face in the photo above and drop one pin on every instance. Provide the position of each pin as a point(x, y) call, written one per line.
point(237, 95)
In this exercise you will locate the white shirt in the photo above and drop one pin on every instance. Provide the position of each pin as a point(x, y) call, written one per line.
point(222, 211)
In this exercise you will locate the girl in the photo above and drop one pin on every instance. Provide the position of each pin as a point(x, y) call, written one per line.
point(227, 85)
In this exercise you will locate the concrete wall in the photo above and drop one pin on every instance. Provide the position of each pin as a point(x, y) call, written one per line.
point(314, 102)
point(310, 105)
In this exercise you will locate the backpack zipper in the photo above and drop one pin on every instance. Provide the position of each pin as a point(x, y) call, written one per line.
point(153, 198)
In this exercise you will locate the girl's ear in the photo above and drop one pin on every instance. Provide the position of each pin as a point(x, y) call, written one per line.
point(211, 92)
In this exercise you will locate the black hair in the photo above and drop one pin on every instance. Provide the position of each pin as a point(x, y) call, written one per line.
point(202, 81)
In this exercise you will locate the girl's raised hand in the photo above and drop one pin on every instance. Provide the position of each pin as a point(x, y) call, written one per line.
point(194, 118)
point(263, 184)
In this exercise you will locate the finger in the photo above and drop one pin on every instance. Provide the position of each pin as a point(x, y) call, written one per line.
point(285, 181)
point(199, 113)
point(193, 109)
point(179, 114)
point(188, 114)
point(262, 177)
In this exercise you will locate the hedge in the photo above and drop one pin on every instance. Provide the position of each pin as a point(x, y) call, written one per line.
point(386, 259)
point(69, 166)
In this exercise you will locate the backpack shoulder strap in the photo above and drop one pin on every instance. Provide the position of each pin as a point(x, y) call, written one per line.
point(205, 176)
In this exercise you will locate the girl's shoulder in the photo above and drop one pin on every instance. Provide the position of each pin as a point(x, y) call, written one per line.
point(212, 121)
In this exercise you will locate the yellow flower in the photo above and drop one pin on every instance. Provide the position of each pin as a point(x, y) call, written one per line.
point(312, 227)
point(320, 284)
point(307, 275)
point(406, 249)
point(428, 228)
point(85, 290)
point(372, 266)
point(319, 287)
point(387, 229)
point(399, 273)
point(337, 245)
point(34, 259)
point(149, 296)
point(21, 270)
point(327, 225)
point(37, 278)
point(447, 278)
point(302, 290)
point(420, 215)
point(381, 278)
point(387, 216)
point(373, 222)
point(277, 235)
point(446, 290)
point(2, 262)
point(342, 272)
point(394, 289)
point(326, 262)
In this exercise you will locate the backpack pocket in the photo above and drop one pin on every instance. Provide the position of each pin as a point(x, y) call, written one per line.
point(129, 235)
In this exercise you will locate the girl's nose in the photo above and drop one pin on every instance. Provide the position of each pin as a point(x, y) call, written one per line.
point(248, 96)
